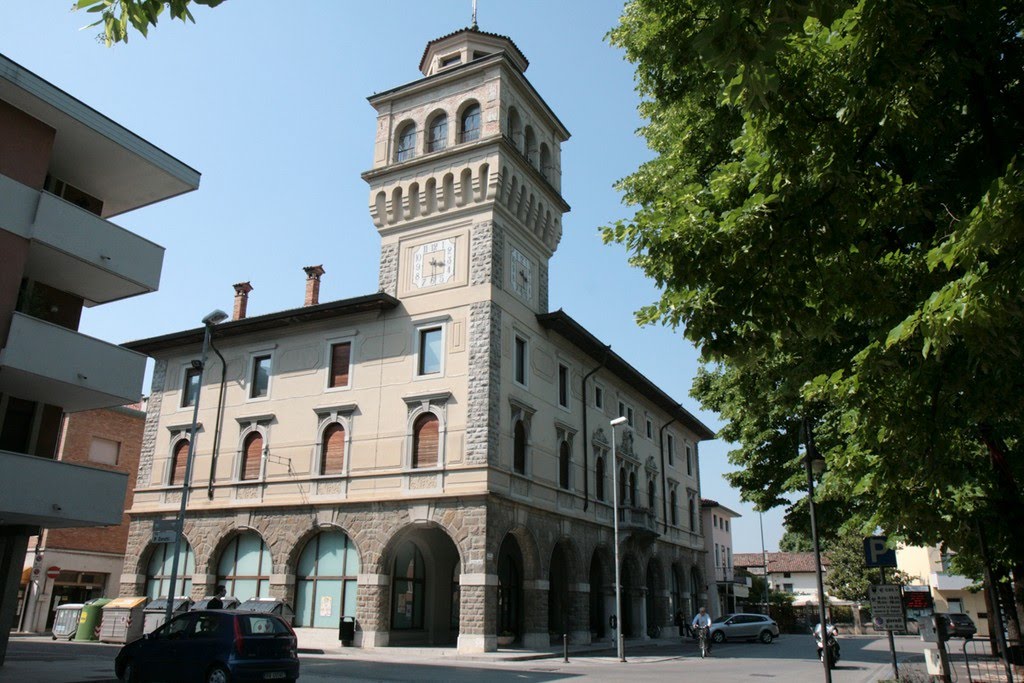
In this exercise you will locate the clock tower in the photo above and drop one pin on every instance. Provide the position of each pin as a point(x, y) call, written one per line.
point(466, 179)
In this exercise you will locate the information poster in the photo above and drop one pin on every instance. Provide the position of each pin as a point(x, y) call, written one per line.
point(886, 607)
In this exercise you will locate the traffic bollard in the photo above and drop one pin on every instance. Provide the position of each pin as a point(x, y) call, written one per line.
point(565, 648)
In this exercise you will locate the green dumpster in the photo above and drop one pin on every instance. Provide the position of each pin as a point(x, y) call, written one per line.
point(89, 622)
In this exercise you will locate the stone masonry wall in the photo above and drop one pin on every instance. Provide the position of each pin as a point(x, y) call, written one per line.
point(484, 383)
point(149, 433)
point(388, 276)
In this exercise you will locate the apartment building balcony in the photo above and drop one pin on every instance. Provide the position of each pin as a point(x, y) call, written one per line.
point(52, 364)
point(638, 520)
point(54, 494)
point(76, 251)
point(944, 581)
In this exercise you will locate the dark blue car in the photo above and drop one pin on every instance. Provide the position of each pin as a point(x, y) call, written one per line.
point(213, 646)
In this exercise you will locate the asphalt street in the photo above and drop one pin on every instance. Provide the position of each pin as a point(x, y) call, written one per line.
point(791, 659)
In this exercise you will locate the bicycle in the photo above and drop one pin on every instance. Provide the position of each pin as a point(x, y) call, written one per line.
point(703, 642)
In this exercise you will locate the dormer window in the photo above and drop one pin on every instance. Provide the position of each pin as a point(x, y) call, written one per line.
point(451, 60)
point(470, 129)
point(406, 143)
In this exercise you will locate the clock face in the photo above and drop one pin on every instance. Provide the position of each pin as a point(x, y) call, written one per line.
point(522, 274)
point(433, 263)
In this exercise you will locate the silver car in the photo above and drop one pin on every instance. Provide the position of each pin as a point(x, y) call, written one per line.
point(744, 627)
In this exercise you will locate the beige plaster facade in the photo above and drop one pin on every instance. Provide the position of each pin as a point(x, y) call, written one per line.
point(928, 566)
point(507, 535)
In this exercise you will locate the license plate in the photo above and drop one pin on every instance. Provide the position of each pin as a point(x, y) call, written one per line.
point(274, 674)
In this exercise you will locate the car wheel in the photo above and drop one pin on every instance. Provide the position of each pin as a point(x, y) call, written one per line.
point(718, 637)
point(766, 637)
point(218, 674)
point(127, 673)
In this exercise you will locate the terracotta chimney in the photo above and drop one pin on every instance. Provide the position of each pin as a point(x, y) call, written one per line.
point(242, 290)
point(313, 274)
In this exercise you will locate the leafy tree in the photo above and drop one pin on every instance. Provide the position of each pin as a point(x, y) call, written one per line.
point(835, 215)
point(117, 16)
point(795, 542)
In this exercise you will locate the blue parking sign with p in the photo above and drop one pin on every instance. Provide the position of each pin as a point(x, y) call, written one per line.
point(877, 553)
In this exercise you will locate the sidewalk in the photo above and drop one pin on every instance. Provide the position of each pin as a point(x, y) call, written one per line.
point(415, 654)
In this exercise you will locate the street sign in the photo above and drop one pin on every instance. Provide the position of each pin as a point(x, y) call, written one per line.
point(165, 530)
point(886, 607)
point(877, 554)
point(917, 599)
point(52, 572)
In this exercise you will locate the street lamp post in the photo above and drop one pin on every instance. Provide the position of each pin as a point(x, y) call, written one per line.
point(764, 564)
point(620, 641)
point(815, 464)
point(209, 321)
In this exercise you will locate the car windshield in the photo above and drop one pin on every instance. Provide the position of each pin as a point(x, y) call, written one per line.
point(961, 618)
point(721, 619)
point(260, 625)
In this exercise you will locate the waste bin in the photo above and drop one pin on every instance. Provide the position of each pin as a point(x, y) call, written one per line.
point(123, 620)
point(65, 620)
point(89, 622)
point(347, 630)
point(229, 603)
point(269, 606)
point(156, 612)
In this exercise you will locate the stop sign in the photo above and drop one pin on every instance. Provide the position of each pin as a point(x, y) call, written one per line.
point(52, 572)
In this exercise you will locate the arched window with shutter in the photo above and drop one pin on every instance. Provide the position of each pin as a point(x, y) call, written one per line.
point(425, 441)
point(332, 449)
point(599, 478)
point(673, 505)
point(252, 456)
point(179, 459)
point(632, 489)
point(650, 493)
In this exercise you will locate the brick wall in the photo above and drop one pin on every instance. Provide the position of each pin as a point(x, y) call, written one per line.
point(123, 425)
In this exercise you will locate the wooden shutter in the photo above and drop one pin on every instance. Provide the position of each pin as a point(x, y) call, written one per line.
point(519, 448)
point(179, 459)
point(333, 450)
point(252, 454)
point(563, 466)
point(339, 364)
point(425, 441)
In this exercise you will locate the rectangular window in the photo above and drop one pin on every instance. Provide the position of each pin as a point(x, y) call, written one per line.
point(340, 357)
point(714, 521)
point(650, 429)
point(190, 388)
point(726, 525)
point(430, 351)
point(629, 416)
point(787, 588)
point(598, 397)
point(563, 386)
point(260, 385)
point(104, 451)
point(520, 367)
point(689, 462)
point(622, 409)
point(671, 449)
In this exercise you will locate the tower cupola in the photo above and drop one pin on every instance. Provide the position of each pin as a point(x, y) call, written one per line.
point(466, 45)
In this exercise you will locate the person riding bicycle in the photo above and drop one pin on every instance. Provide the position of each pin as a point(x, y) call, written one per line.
point(702, 624)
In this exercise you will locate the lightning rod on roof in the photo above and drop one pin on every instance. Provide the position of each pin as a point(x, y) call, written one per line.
point(474, 13)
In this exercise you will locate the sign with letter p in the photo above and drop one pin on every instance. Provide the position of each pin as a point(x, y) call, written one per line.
point(877, 553)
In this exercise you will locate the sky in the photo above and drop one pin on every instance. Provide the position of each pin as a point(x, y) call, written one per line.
point(268, 101)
